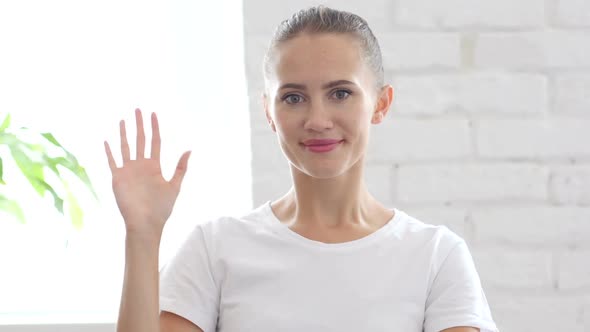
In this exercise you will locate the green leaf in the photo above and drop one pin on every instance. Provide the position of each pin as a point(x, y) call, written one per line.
point(51, 139)
point(74, 209)
point(51, 163)
point(70, 162)
point(1, 172)
point(12, 207)
point(7, 138)
point(33, 158)
point(32, 170)
point(58, 202)
point(5, 123)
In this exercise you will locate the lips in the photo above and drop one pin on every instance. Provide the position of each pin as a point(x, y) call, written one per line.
point(319, 142)
point(321, 145)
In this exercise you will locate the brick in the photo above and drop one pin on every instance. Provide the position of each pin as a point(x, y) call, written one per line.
point(527, 269)
point(466, 13)
point(379, 181)
point(472, 182)
point(570, 185)
point(262, 16)
point(573, 13)
point(538, 226)
point(574, 269)
point(453, 218)
point(533, 138)
point(533, 50)
point(437, 93)
point(571, 93)
point(419, 50)
point(404, 139)
point(536, 313)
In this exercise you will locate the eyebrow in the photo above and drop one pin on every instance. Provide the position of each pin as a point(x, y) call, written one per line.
point(325, 86)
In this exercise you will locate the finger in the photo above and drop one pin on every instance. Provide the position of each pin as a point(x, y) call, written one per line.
point(180, 170)
point(112, 164)
point(124, 144)
point(140, 152)
point(156, 142)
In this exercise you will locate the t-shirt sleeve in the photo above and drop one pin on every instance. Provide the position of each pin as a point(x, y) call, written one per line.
point(187, 284)
point(456, 297)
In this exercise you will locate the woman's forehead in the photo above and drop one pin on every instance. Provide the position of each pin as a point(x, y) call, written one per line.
point(313, 48)
point(318, 57)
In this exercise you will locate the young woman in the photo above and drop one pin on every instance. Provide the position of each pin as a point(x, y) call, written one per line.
point(327, 256)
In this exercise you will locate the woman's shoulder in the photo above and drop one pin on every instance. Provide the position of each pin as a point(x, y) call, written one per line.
point(425, 231)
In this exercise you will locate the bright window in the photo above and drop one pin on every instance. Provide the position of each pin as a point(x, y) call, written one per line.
point(75, 68)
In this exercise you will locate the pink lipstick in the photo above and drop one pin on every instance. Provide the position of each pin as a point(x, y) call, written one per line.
point(321, 145)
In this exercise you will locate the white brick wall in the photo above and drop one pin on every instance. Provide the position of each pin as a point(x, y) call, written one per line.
point(572, 13)
point(571, 93)
point(532, 226)
point(538, 312)
point(418, 50)
point(472, 182)
point(408, 139)
point(571, 274)
point(540, 50)
point(570, 185)
point(525, 269)
point(489, 134)
point(378, 179)
point(466, 13)
point(561, 137)
point(477, 92)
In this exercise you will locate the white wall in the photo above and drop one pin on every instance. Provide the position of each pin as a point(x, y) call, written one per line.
point(75, 69)
point(489, 134)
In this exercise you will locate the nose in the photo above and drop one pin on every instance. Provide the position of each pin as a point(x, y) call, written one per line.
point(318, 117)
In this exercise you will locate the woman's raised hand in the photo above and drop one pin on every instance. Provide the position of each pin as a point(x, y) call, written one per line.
point(145, 199)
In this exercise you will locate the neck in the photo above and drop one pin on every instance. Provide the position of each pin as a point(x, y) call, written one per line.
point(328, 203)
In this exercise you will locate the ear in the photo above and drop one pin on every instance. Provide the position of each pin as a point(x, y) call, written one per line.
point(267, 112)
point(383, 104)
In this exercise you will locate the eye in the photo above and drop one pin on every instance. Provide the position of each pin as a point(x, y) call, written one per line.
point(292, 99)
point(341, 94)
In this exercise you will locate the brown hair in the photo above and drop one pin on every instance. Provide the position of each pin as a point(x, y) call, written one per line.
point(322, 19)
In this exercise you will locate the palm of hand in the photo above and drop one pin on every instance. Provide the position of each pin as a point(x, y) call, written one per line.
point(145, 199)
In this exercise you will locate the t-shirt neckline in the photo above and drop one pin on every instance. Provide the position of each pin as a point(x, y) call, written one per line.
point(365, 240)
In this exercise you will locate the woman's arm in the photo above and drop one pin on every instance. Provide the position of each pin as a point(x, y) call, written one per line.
point(145, 200)
point(139, 309)
point(461, 329)
point(170, 322)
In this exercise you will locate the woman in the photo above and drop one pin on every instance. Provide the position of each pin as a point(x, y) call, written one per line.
point(327, 256)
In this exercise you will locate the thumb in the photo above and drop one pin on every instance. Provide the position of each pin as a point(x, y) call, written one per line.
point(181, 168)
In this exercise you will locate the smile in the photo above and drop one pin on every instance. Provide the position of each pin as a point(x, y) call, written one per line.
point(322, 146)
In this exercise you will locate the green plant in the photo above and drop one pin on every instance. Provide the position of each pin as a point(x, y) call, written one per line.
point(32, 160)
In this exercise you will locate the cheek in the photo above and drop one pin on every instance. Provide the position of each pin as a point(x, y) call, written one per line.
point(285, 123)
point(358, 117)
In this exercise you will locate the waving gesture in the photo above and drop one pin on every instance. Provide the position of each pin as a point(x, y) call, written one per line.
point(145, 199)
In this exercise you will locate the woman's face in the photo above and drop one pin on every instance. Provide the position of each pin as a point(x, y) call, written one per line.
point(321, 99)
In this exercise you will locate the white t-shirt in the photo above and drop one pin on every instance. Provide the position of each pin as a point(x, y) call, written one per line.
point(253, 273)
